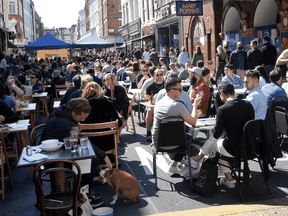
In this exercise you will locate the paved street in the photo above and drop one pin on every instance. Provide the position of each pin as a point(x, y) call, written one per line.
point(175, 194)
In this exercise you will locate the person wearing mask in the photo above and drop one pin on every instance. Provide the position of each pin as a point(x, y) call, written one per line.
point(238, 59)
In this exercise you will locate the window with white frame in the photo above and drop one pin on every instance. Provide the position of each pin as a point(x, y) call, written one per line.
point(12, 7)
point(20, 9)
point(1, 9)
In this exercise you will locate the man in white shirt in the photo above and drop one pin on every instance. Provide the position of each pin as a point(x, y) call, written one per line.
point(3, 64)
point(256, 96)
point(145, 55)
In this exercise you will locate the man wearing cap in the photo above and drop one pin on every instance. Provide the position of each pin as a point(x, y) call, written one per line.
point(199, 85)
point(232, 78)
point(238, 59)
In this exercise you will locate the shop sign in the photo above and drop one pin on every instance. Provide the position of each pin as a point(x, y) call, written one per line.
point(189, 8)
point(164, 11)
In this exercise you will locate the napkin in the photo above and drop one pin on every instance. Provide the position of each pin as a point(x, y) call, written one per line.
point(35, 157)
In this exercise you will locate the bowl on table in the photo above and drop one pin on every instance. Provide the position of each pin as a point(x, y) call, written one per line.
point(51, 145)
point(24, 103)
point(103, 211)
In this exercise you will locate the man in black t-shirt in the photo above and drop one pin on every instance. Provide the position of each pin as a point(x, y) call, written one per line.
point(138, 53)
point(151, 90)
point(231, 118)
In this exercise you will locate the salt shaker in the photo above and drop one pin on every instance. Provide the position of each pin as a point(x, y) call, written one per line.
point(28, 150)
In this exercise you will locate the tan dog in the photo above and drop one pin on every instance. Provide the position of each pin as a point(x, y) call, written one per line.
point(122, 182)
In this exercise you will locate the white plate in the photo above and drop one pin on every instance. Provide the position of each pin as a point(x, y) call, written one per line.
point(51, 148)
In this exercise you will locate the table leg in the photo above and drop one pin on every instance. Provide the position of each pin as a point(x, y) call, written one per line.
point(32, 119)
point(139, 108)
point(58, 179)
point(46, 107)
point(6, 159)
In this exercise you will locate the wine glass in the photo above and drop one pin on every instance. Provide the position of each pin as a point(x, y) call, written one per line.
point(73, 140)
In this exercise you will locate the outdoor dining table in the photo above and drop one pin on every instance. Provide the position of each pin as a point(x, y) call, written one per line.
point(31, 108)
point(62, 93)
point(43, 95)
point(123, 83)
point(56, 104)
point(57, 181)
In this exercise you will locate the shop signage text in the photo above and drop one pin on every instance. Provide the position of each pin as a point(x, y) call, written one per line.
point(189, 8)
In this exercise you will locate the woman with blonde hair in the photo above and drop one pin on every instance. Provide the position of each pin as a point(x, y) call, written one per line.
point(221, 61)
point(102, 110)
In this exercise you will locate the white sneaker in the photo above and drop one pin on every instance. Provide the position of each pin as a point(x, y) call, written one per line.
point(185, 172)
point(229, 184)
point(194, 164)
point(174, 170)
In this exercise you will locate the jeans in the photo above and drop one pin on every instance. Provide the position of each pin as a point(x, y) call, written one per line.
point(268, 68)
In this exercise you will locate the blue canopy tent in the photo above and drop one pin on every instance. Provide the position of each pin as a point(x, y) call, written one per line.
point(91, 41)
point(46, 42)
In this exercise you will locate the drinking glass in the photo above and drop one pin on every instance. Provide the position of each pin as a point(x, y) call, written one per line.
point(67, 143)
point(84, 142)
point(73, 140)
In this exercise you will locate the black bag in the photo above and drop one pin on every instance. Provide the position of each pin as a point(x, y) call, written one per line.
point(207, 178)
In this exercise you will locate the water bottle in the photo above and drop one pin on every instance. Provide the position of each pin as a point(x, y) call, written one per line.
point(28, 150)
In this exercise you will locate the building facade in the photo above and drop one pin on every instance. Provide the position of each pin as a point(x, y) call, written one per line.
point(39, 26)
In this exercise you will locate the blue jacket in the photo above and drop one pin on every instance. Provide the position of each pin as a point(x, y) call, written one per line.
point(37, 88)
point(75, 94)
point(68, 94)
point(70, 77)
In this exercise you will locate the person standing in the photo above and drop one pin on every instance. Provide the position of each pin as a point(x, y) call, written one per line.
point(221, 61)
point(172, 55)
point(226, 47)
point(270, 55)
point(145, 55)
point(183, 57)
point(254, 56)
point(197, 56)
point(154, 56)
point(3, 64)
point(238, 59)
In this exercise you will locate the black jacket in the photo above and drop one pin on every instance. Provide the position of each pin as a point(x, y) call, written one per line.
point(5, 111)
point(58, 125)
point(269, 53)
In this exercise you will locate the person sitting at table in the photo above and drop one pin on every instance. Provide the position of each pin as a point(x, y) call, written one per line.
point(231, 118)
point(6, 114)
point(95, 78)
point(273, 89)
point(151, 91)
point(148, 81)
point(77, 85)
point(199, 85)
point(7, 99)
point(206, 75)
point(14, 88)
point(264, 79)
point(141, 78)
point(59, 125)
point(170, 105)
point(70, 73)
point(98, 73)
point(118, 95)
point(57, 80)
point(184, 98)
point(231, 77)
point(35, 83)
point(255, 96)
point(46, 76)
point(85, 79)
point(102, 110)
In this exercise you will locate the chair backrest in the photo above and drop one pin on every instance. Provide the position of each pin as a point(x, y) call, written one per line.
point(59, 88)
point(171, 133)
point(130, 105)
point(90, 130)
point(54, 167)
point(281, 120)
point(278, 101)
point(36, 134)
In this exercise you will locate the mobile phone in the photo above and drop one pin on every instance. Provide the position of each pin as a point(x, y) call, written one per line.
point(200, 93)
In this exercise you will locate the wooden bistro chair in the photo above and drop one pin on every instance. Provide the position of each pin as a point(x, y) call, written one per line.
point(35, 134)
point(90, 130)
point(130, 115)
point(69, 198)
point(59, 88)
point(3, 160)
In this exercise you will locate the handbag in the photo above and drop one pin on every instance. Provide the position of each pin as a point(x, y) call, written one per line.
point(207, 178)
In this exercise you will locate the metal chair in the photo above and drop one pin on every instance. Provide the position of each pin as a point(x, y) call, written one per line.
point(103, 129)
point(67, 197)
point(171, 139)
point(278, 101)
point(256, 145)
point(281, 123)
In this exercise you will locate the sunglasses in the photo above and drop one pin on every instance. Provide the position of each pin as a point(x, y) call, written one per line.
point(144, 70)
point(158, 75)
point(33, 77)
point(179, 89)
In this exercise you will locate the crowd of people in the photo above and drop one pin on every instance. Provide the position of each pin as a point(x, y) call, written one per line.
point(95, 96)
